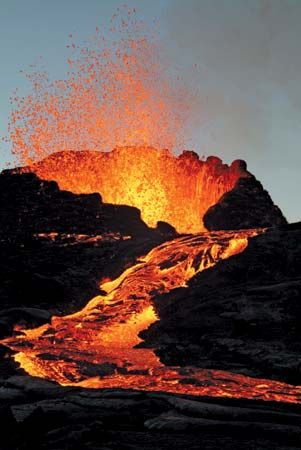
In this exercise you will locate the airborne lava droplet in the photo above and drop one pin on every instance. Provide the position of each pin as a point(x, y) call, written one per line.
point(117, 93)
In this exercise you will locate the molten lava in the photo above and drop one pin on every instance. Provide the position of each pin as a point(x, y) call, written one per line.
point(96, 347)
point(119, 92)
point(177, 190)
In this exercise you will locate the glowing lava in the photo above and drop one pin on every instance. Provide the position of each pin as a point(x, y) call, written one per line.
point(96, 347)
point(177, 190)
point(119, 93)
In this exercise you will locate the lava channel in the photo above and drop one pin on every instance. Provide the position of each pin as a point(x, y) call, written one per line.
point(97, 346)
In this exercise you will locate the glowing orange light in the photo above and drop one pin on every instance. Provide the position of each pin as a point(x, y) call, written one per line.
point(118, 92)
point(177, 190)
point(106, 330)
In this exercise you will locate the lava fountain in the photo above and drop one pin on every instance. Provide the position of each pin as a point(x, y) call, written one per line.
point(119, 93)
point(176, 190)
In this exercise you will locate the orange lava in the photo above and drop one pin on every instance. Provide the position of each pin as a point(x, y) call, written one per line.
point(117, 95)
point(96, 347)
point(118, 91)
point(177, 190)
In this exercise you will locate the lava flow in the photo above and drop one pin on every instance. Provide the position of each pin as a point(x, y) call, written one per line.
point(97, 346)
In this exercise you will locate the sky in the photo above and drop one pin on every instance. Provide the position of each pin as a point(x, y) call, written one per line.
point(246, 60)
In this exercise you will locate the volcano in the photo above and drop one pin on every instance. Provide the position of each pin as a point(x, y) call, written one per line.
point(138, 275)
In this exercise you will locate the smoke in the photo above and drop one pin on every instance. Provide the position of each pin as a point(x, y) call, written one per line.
point(248, 59)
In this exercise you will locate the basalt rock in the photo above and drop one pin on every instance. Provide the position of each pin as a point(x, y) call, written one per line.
point(247, 205)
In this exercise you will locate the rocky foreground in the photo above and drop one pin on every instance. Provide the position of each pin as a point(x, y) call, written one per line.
point(37, 414)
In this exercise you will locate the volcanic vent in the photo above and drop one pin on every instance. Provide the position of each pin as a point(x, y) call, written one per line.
point(176, 190)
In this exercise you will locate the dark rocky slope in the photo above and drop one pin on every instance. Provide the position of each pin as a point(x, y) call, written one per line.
point(30, 205)
point(243, 315)
point(57, 246)
point(247, 205)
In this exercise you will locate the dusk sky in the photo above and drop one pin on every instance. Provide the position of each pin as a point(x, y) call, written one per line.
point(242, 58)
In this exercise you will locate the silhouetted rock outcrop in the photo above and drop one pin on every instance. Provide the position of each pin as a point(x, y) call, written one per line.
point(56, 246)
point(247, 205)
point(30, 205)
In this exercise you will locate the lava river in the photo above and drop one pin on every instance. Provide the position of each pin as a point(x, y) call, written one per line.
point(97, 346)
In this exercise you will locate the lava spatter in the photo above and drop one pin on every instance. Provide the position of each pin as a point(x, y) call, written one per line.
point(118, 91)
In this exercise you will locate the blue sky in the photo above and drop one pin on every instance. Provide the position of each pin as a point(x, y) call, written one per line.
point(247, 81)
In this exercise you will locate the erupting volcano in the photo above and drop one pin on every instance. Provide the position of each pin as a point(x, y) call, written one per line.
point(129, 265)
point(96, 347)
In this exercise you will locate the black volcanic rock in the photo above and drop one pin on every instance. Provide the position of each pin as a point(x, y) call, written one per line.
point(243, 315)
point(247, 205)
point(30, 205)
point(36, 414)
point(56, 246)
